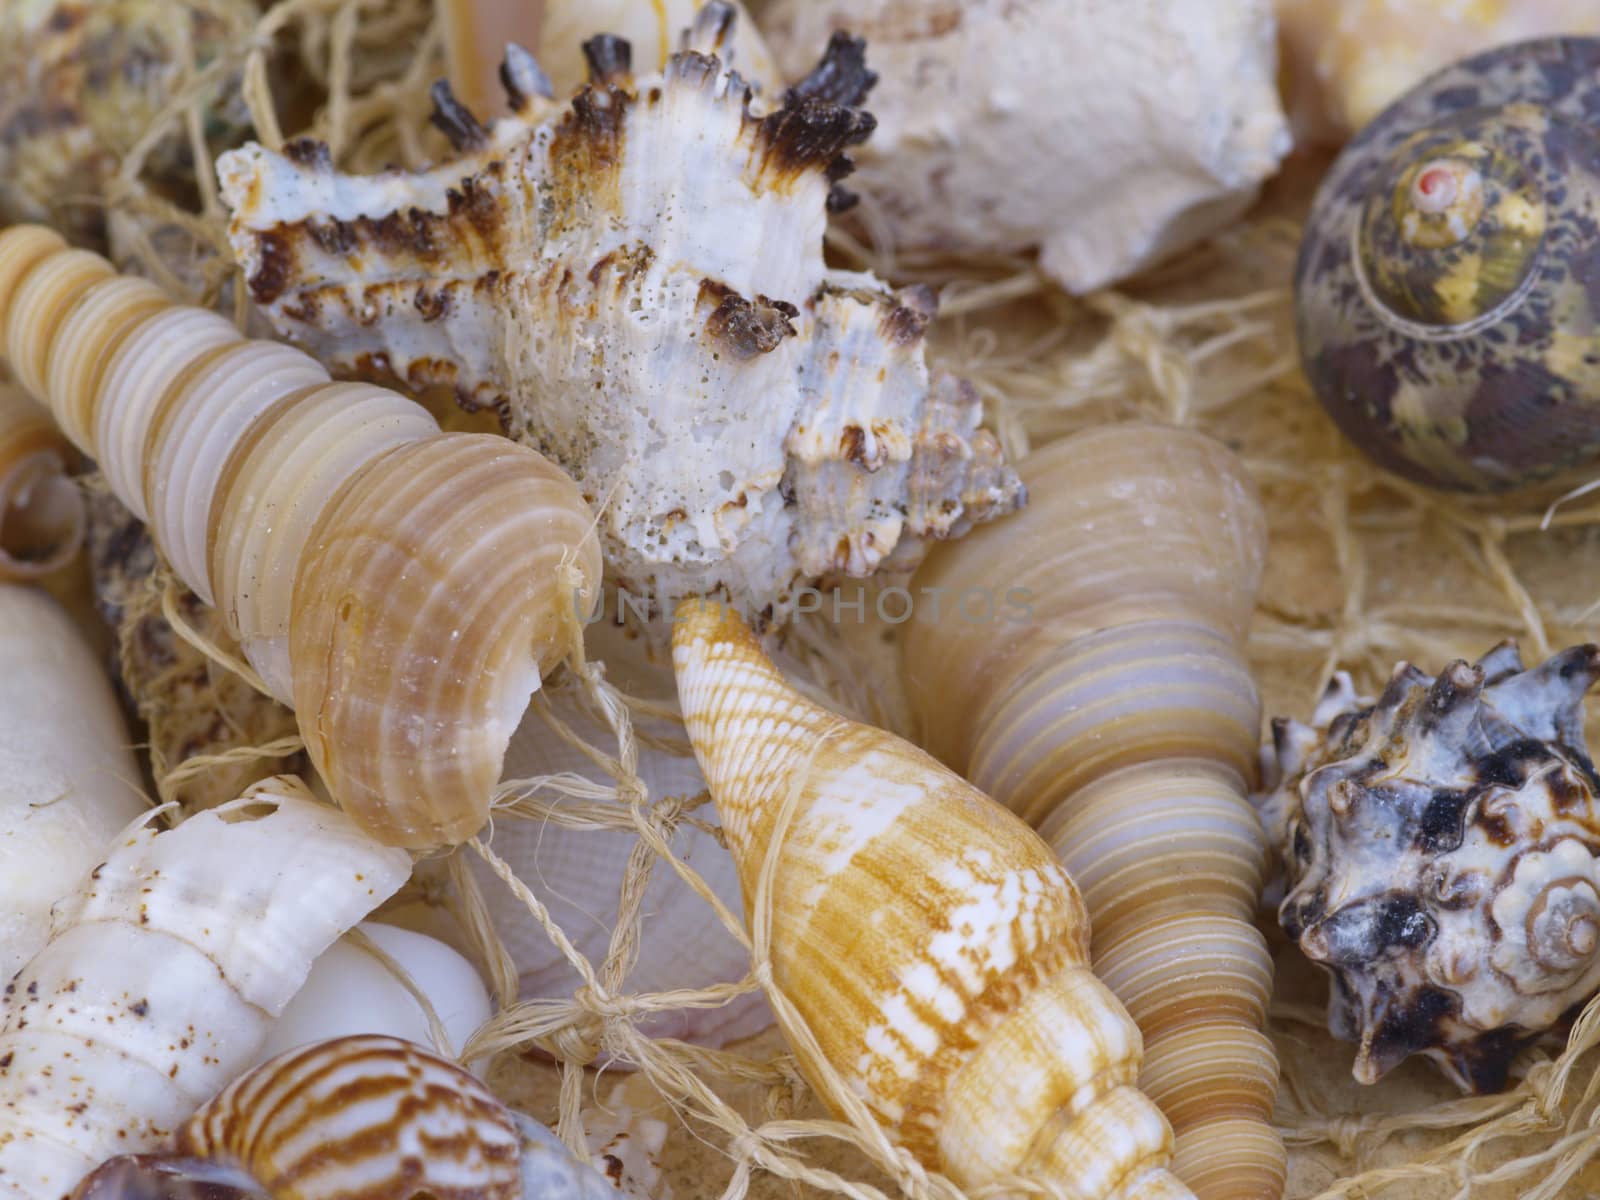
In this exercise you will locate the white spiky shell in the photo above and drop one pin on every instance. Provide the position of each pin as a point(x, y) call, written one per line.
point(351, 990)
point(636, 280)
point(1108, 135)
point(68, 783)
point(928, 939)
point(164, 972)
point(578, 874)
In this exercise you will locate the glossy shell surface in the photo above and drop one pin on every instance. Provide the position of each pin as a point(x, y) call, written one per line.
point(1448, 287)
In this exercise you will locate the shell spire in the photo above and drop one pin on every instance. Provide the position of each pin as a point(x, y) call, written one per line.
point(1441, 849)
point(405, 590)
point(1081, 663)
point(931, 943)
point(634, 279)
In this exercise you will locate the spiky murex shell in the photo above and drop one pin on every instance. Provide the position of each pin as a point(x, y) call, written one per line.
point(635, 281)
point(1440, 847)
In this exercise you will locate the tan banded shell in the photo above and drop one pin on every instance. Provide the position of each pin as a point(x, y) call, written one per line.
point(42, 517)
point(1117, 714)
point(932, 944)
point(347, 543)
point(362, 1118)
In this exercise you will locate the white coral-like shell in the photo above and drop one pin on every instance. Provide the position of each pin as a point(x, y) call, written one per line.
point(1441, 848)
point(636, 281)
point(1108, 134)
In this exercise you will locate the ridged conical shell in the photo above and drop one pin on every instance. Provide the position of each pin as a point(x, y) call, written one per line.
point(362, 1118)
point(930, 941)
point(427, 608)
point(41, 510)
point(258, 488)
point(1117, 713)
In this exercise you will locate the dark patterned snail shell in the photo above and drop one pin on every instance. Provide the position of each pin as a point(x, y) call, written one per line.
point(1448, 287)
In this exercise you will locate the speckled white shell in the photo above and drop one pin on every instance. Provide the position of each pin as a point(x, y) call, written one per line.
point(164, 972)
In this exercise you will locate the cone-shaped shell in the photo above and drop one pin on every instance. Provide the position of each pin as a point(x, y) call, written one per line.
point(931, 943)
point(41, 510)
point(1108, 702)
point(405, 589)
point(449, 552)
point(362, 1118)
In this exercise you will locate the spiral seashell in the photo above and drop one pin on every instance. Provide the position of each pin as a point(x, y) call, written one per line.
point(165, 970)
point(406, 590)
point(163, 1177)
point(42, 519)
point(1445, 295)
point(1442, 848)
point(1106, 700)
point(422, 1126)
point(931, 943)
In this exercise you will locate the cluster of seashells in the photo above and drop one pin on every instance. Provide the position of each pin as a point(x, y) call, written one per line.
point(1022, 945)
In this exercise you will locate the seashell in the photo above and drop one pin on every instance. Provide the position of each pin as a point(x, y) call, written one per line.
point(85, 82)
point(1157, 137)
point(422, 1127)
point(619, 277)
point(1440, 845)
point(930, 942)
point(164, 972)
point(341, 561)
point(1347, 62)
point(191, 707)
point(355, 1118)
point(1082, 664)
point(41, 509)
point(1444, 290)
point(352, 991)
point(68, 783)
point(578, 875)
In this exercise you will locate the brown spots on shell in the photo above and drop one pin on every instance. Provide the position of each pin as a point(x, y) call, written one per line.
point(586, 156)
point(906, 324)
point(742, 327)
point(853, 446)
point(275, 269)
point(334, 236)
point(432, 305)
point(309, 153)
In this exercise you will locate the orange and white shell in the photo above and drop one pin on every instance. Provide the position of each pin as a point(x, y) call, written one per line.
point(635, 280)
point(405, 590)
point(926, 938)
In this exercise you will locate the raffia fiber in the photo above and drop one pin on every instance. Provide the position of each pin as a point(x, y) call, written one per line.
point(1364, 570)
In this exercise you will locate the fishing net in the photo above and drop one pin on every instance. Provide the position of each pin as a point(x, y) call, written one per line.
point(1364, 570)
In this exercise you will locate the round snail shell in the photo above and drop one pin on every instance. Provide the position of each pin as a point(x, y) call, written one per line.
point(42, 516)
point(931, 943)
point(406, 589)
point(1117, 714)
point(422, 1126)
point(1446, 292)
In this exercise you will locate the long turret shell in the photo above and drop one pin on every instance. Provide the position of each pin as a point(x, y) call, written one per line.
point(931, 943)
point(68, 783)
point(407, 590)
point(164, 972)
point(635, 280)
point(41, 510)
point(1107, 701)
point(1108, 134)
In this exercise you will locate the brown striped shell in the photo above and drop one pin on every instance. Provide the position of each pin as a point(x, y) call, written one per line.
point(362, 1118)
point(1448, 287)
point(1105, 699)
point(929, 941)
point(405, 589)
